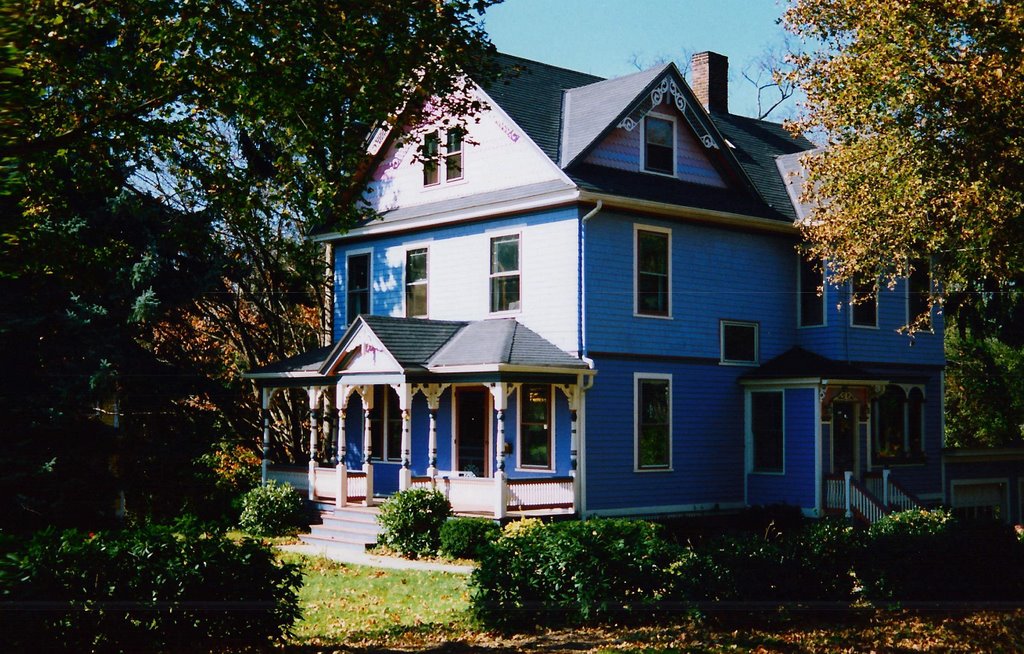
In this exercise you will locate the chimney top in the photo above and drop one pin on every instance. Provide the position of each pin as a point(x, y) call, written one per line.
point(710, 74)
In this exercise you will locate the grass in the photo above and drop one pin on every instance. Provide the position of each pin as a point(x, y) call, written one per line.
point(359, 609)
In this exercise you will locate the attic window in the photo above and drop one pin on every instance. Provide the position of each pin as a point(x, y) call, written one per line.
point(450, 157)
point(659, 145)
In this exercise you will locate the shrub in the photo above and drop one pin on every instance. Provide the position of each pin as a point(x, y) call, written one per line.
point(150, 588)
point(521, 527)
point(570, 572)
point(464, 538)
point(272, 510)
point(914, 522)
point(411, 521)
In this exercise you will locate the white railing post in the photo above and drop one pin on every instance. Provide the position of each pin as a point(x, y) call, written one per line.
point(405, 406)
point(848, 476)
point(885, 487)
point(368, 447)
point(341, 471)
point(314, 414)
point(500, 395)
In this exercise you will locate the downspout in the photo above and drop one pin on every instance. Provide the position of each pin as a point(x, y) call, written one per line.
point(581, 286)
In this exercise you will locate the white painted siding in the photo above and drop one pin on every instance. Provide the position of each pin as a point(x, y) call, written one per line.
point(497, 154)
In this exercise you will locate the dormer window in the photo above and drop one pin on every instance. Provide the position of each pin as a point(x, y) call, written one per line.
point(451, 157)
point(659, 145)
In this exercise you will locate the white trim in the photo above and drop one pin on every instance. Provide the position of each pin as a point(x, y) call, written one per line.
point(799, 290)
point(368, 251)
point(652, 376)
point(581, 453)
point(643, 144)
point(749, 436)
point(722, 361)
point(797, 382)
point(405, 277)
point(491, 276)
point(442, 158)
point(669, 509)
point(637, 228)
point(552, 420)
point(818, 451)
point(507, 367)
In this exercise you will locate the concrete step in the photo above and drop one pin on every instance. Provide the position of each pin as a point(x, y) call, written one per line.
point(335, 543)
point(343, 532)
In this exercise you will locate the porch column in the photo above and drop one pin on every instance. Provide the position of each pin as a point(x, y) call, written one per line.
point(340, 469)
point(367, 395)
point(499, 392)
point(405, 406)
point(314, 416)
point(433, 394)
point(848, 475)
point(885, 487)
point(266, 396)
point(574, 394)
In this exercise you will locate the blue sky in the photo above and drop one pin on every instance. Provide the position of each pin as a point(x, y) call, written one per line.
point(603, 37)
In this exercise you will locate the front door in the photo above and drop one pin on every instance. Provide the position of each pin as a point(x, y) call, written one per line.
point(844, 437)
point(472, 430)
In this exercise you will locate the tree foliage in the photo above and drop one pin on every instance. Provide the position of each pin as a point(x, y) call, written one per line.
point(922, 104)
point(161, 163)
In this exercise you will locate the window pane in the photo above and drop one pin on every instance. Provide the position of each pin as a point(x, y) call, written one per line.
point(416, 283)
point(394, 427)
point(812, 299)
point(416, 266)
point(865, 303)
point(767, 431)
point(652, 252)
point(889, 441)
point(416, 301)
point(653, 429)
point(918, 294)
point(659, 145)
point(739, 343)
point(453, 167)
point(504, 254)
point(535, 428)
point(430, 151)
point(454, 143)
point(358, 288)
point(505, 293)
point(652, 273)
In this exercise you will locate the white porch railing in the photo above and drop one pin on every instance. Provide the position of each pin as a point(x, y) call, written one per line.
point(294, 475)
point(863, 504)
point(468, 494)
point(324, 481)
point(835, 493)
point(901, 499)
point(545, 493)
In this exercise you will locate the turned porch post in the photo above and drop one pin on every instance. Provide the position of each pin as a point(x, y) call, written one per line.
point(314, 416)
point(266, 395)
point(433, 394)
point(499, 392)
point(340, 469)
point(367, 395)
point(405, 406)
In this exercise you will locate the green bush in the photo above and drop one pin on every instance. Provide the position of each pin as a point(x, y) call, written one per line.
point(571, 572)
point(411, 521)
point(272, 510)
point(150, 588)
point(465, 538)
point(914, 522)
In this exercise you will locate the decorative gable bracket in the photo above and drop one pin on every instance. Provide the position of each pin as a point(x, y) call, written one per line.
point(668, 87)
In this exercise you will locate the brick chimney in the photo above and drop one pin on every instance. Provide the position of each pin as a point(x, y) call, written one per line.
point(710, 74)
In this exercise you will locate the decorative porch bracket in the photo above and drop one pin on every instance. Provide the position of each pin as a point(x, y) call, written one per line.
point(433, 393)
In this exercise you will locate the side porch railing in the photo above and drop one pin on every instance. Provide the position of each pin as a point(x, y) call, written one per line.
point(878, 495)
point(324, 481)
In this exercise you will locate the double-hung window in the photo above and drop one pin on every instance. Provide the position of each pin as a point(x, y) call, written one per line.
point(416, 283)
point(448, 161)
point(864, 302)
point(812, 293)
point(738, 342)
point(535, 426)
point(659, 145)
point(357, 286)
point(653, 426)
point(505, 273)
point(385, 426)
point(919, 289)
point(767, 431)
point(653, 275)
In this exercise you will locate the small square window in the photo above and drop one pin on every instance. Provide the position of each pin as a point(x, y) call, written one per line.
point(739, 342)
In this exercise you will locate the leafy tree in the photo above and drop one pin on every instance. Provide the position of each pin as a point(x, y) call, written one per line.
point(922, 104)
point(161, 162)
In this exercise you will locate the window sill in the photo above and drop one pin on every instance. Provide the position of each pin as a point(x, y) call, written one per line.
point(652, 315)
point(743, 364)
point(647, 470)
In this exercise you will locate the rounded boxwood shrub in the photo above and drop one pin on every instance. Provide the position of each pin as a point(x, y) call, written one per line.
point(464, 538)
point(411, 521)
point(276, 509)
point(181, 587)
point(572, 572)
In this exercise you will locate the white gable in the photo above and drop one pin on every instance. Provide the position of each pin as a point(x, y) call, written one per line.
point(497, 155)
point(365, 353)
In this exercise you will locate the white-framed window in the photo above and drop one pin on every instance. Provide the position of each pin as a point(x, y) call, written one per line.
point(535, 427)
point(739, 343)
point(811, 293)
point(357, 285)
point(864, 302)
point(981, 500)
point(659, 138)
point(416, 270)
point(443, 163)
point(767, 437)
point(652, 254)
point(385, 425)
point(919, 289)
point(898, 426)
point(652, 437)
point(505, 274)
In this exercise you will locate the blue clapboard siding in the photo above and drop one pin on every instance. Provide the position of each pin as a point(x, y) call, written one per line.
point(707, 438)
point(716, 274)
point(838, 339)
point(797, 485)
point(1003, 468)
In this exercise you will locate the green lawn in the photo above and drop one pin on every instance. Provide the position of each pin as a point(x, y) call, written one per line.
point(358, 605)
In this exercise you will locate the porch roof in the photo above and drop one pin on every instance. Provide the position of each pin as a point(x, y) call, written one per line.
point(798, 363)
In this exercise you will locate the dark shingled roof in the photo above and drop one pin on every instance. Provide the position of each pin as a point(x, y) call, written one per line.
point(501, 341)
point(798, 363)
point(412, 341)
point(757, 143)
point(307, 362)
point(531, 94)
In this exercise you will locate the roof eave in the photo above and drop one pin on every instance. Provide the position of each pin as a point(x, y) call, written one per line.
point(611, 200)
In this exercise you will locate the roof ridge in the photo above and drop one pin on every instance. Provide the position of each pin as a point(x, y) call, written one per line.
point(597, 78)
